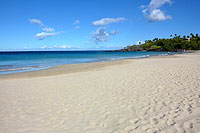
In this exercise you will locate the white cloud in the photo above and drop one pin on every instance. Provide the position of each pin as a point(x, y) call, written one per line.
point(61, 47)
point(114, 32)
point(100, 35)
point(44, 47)
point(142, 6)
point(155, 4)
point(158, 15)
point(48, 29)
point(77, 22)
point(106, 21)
point(43, 35)
point(36, 21)
point(56, 47)
point(77, 27)
point(152, 11)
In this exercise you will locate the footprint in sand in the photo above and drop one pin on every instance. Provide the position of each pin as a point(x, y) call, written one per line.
point(134, 121)
point(161, 115)
point(149, 129)
point(152, 110)
point(179, 128)
point(188, 124)
point(146, 127)
point(153, 121)
point(131, 128)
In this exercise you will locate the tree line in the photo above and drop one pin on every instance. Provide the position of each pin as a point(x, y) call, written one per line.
point(173, 43)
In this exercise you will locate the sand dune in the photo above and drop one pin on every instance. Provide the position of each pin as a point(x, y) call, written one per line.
point(136, 96)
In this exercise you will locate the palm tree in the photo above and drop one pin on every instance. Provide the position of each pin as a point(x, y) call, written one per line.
point(155, 39)
point(192, 35)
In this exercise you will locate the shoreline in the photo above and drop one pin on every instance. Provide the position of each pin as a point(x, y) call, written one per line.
point(79, 67)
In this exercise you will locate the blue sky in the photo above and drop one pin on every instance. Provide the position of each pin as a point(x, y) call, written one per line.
point(92, 24)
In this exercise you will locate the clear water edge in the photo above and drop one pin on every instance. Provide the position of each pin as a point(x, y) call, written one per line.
point(15, 62)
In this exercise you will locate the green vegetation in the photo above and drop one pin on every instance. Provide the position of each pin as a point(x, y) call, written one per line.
point(176, 43)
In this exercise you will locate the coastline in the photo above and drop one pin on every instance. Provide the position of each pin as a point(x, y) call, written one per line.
point(157, 94)
point(73, 68)
point(64, 69)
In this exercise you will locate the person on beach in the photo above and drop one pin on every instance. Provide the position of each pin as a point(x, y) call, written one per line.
point(168, 53)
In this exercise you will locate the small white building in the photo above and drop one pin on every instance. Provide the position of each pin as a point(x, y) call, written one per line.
point(188, 38)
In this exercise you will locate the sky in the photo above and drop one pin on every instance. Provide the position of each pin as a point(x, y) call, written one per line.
point(93, 24)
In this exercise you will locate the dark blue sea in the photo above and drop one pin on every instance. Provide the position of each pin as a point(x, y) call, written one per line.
point(13, 62)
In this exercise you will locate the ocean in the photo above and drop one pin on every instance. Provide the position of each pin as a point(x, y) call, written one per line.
point(21, 61)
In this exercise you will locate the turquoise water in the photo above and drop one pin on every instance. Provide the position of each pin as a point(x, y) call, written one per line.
point(12, 62)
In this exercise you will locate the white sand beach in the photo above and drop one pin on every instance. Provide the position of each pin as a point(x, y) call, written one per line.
point(160, 94)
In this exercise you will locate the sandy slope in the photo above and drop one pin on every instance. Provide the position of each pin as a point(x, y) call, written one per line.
point(145, 95)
